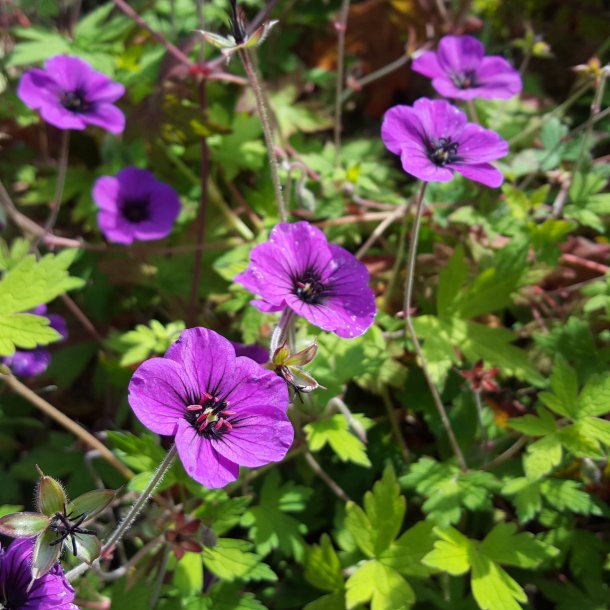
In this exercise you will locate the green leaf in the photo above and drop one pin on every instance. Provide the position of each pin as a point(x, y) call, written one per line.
point(332, 601)
point(405, 554)
point(567, 495)
point(322, 566)
point(335, 431)
point(595, 396)
point(385, 588)
point(532, 425)
point(231, 559)
point(270, 526)
point(503, 545)
point(492, 587)
point(385, 510)
point(526, 496)
point(188, 574)
point(542, 456)
point(26, 285)
point(450, 282)
point(46, 45)
point(451, 553)
point(565, 388)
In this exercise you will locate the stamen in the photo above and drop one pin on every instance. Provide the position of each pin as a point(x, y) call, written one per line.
point(194, 408)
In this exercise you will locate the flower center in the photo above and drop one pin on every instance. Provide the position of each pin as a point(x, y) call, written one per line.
point(75, 101)
point(442, 151)
point(309, 287)
point(210, 417)
point(136, 210)
point(464, 80)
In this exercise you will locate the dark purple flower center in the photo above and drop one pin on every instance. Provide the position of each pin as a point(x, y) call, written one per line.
point(465, 80)
point(75, 101)
point(308, 287)
point(136, 210)
point(442, 151)
point(210, 416)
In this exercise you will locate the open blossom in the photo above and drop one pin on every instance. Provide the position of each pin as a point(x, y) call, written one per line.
point(459, 69)
point(50, 592)
point(70, 94)
point(134, 205)
point(324, 283)
point(433, 140)
point(34, 362)
point(224, 411)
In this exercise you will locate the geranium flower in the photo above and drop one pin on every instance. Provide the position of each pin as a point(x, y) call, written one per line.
point(134, 205)
point(225, 411)
point(324, 283)
point(34, 362)
point(70, 94)
point(433, 140)
point(459, 69)
point(50, 592)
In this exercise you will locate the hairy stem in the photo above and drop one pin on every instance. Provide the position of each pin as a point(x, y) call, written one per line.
point(134, 511)
point(341, 27)
point(508, 454)
point(66, 422)
point(389, 407)
point(204, 170)
point(408, 300)
point(472, 111)
point(334, 487)
point(281, 331)
point(380, 230)
point(261, 106)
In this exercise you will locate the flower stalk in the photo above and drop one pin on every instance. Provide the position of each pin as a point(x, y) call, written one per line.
point(263, 113)
point(341, 27)
point(408, 300)
point(134, 511)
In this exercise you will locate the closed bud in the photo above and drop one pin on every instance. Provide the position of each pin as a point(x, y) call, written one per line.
point(50, 496)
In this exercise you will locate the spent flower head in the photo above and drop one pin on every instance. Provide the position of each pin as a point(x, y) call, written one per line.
point(434, 139)
point(134, 205)
point(459, 69)
point(320, 281)
point(239, 38)
point(50, 591)
point(58, 522)
point(224, 410)
point(288, 367)
point(70, 94)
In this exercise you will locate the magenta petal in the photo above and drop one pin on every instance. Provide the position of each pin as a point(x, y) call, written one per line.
point(105, 193)
point(459, 54)
point(164, 209)
point(107, 116)
point(261, 436)
point(446, 88)
point(266, 307)
point(417, 164)
point(207, 358)
point(70, 73)
point(201, 461)
point(159, 393)
point(482, 172)
point(257, 386)
point(439, 118)
point(497, 79)
point(479, 145)
point(427, 64)
point(115, 229)
point(59, 117)
point(36, 88)
point(401, 125)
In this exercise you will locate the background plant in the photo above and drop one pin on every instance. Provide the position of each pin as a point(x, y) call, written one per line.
point(370, 507)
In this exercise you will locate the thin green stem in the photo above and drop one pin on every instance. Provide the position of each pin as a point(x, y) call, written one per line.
point(341, 27)
point(408, 300)
point(134, 511)
point(535, 124)
point(402, 242)
point(389, 407)
point(59, 187)
point(281, 331)
point(244, 54)
point(472, 111)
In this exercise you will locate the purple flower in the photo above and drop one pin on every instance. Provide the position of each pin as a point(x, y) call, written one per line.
point(433, 140)
point(34, 362)
point(134, 205)
point(51, 592)
point(225, 411)
point(251, 350)
point(324, 283)
point(460, 70)
point(70, 94)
